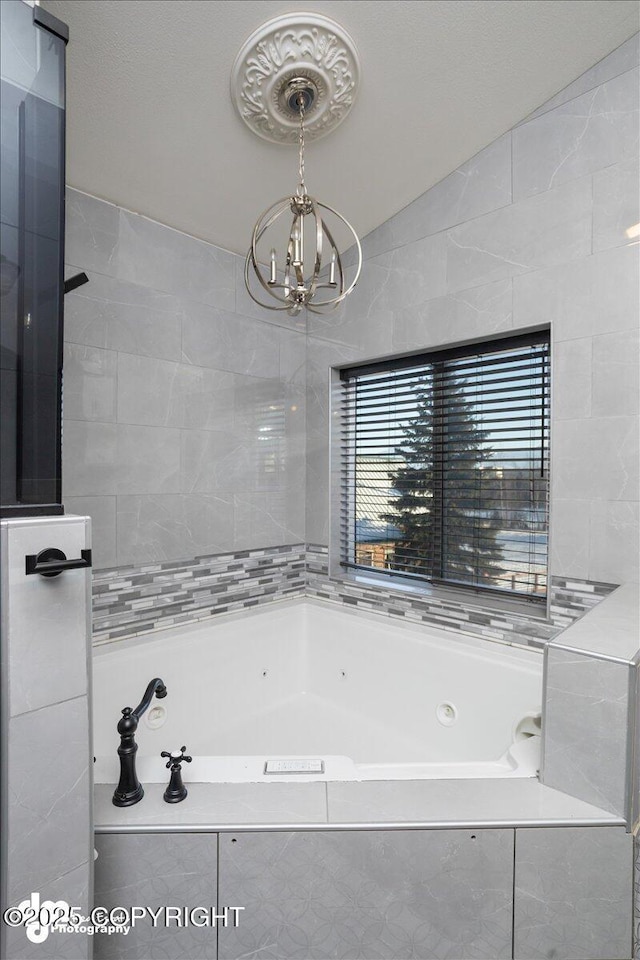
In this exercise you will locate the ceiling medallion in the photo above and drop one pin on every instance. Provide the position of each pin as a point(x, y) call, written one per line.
point(299, 45)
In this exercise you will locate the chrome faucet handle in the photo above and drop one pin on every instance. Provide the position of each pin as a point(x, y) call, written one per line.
point(175, 758)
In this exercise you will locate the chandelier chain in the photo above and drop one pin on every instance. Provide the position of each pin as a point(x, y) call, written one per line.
point(302, 187)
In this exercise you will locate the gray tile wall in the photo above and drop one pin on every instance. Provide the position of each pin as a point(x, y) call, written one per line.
point(558, 892)
point(445, 893)
point(572, 893)
point(157, 871)
point(528, 232)
point(636, 899)
point(184, 411)
point(46, 829)
point(196, 424)
point(588, 727)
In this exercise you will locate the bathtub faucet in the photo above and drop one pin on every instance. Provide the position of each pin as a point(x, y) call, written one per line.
point(129, 789)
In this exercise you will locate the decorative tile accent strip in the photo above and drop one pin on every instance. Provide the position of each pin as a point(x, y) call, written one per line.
point(570, 599)
point(133, 600)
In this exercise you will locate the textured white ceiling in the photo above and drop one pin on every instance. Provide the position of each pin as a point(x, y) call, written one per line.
point(151, 125)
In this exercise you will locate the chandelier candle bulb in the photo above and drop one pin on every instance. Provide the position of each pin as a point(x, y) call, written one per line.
point(273, 276)
point(332, 270)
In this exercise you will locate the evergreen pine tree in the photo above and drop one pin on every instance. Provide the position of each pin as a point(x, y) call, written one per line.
point(448, 532)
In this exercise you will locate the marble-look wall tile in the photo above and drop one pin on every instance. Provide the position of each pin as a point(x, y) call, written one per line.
point(88, 458)
point(478, 186)
point(73, 888)
point(616, 205)
point(207, 397)
point(554, 227)
point(45, 635)
point(157, 256)
point(150, 391)
point(579, 137)
point(225, 341)
point(363, 321)
point(173, 526)
point(293, 356)
point(147, 460)
point(623, 58)
point(90, 378)
point(571, 379)
point(636, 901)
point(585, 728)
point(596, 295)
point(416, 272)
point(157, 870)
point(572, 893)
point(570, 541)
point(616, 374)
point(268, 518)
point(321, 356)
point(595, 459)
point(92, 233)
point(406, 276)
point(615, 534)
point(48, 772)
point(118, 315)
point(158, 355)
point(102, 511)
point(480, 311)
point(214, 460)
point(439, 893)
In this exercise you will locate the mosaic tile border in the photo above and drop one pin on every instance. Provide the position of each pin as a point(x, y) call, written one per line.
point(128, 601)
point(131, 600)
point(570, 599)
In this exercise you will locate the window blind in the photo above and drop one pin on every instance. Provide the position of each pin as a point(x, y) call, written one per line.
point(444, 472)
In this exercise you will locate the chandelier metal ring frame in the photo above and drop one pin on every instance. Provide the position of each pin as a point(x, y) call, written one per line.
point(265, 221)
point(297, 94)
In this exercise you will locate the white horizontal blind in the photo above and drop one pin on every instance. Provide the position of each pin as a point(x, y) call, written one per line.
point(445, 466)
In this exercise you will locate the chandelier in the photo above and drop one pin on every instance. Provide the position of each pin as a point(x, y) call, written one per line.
point(295, 70)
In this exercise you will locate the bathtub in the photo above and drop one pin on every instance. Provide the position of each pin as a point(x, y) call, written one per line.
point(304, 690)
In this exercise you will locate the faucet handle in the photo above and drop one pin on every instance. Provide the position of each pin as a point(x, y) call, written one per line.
point(175, 758)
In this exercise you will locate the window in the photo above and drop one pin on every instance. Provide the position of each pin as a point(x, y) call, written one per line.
point(444, 473)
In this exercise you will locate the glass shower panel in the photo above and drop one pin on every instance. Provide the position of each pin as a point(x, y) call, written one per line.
point(32, 76)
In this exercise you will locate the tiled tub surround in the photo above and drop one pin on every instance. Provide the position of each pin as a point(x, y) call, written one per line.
point(591, 746)
point(430, 869)
point(133, 600)
point(184, 409)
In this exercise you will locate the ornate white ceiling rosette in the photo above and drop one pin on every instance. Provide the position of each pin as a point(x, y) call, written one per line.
point(293, 46)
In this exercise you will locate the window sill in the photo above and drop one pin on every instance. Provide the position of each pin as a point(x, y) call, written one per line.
point(534, 610)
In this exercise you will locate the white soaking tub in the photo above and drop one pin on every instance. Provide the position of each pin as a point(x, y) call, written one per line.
point(313, 691)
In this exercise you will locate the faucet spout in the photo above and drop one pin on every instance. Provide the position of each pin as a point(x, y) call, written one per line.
point(155, 686)
point(129, 789)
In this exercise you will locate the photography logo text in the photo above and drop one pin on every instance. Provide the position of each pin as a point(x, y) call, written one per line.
point(41, 917)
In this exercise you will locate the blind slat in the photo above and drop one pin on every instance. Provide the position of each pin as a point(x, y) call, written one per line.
point(453, 447)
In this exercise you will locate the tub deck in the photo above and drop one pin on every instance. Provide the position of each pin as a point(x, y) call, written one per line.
point(369, 805)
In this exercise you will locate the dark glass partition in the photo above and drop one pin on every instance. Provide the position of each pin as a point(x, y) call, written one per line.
point(32, 73)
